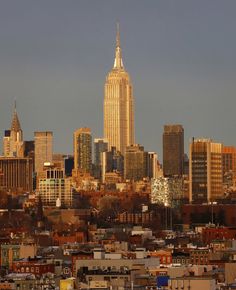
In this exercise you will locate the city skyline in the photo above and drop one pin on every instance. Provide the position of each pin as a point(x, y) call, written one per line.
point(181, 62)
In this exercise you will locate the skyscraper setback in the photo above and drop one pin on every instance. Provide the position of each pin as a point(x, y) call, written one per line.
point(118, 104)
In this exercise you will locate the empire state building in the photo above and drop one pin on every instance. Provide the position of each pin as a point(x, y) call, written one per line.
point(118, 104)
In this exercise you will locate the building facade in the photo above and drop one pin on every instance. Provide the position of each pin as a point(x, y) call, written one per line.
point(118, 104)
point(16, 174)
point(83, 150)
point(229, 165)
point(205, 171)
point(135, 163)
point(54, 188)
point(43, 149)
point(173, 150)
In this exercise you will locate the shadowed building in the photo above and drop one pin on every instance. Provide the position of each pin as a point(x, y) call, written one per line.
point(83, 150)
point(118, 104)
point(173, 150)
point(205, 170)
point(136, 163)
point(100, 146)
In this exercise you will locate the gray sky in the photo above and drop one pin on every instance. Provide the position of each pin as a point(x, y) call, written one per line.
point(54, 56)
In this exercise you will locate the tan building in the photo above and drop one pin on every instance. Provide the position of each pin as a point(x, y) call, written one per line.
point(16, 174)
point(173, 150)
point(205, 171)
point(118, 104)
point(229, 165)
point(83, 150)
point(43, 149)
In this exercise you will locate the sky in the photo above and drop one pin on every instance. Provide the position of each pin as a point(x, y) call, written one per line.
point(55, 55)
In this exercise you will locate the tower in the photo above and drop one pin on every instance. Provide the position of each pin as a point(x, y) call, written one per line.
point(118, 104)
point(83, 150)
point(173, 150)
point(205, 171)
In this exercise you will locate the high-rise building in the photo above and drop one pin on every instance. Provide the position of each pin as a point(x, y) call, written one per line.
point(173, 150)
point(83, 150)
point(100, 146)
point(43, 149)
point(136, 162)
point(16, 174)
point(205, 171)
point(118, 104)
point(13, 145)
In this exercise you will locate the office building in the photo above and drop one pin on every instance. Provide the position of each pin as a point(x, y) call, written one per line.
point(118, 104)
point(205, 171)
point(16, 174)
point(135, 163)
point(173, 150)
point(43, 149)
point(83, 150)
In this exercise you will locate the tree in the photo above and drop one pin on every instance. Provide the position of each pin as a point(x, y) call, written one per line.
point(109, 207)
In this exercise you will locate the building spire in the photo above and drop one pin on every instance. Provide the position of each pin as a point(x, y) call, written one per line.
point(15, 124)
point(118, 63)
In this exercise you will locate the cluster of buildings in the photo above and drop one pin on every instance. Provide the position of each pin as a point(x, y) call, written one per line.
point(111, 216)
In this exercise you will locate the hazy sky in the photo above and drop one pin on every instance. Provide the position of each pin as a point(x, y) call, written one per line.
point(181, 56)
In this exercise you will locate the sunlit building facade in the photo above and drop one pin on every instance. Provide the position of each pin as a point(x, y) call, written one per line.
point(205, 171)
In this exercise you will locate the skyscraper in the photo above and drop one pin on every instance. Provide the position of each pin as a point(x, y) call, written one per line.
point(173, 150)
point(83, 150)
point(43, 149)
point(118, 104)
point(205, 171)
